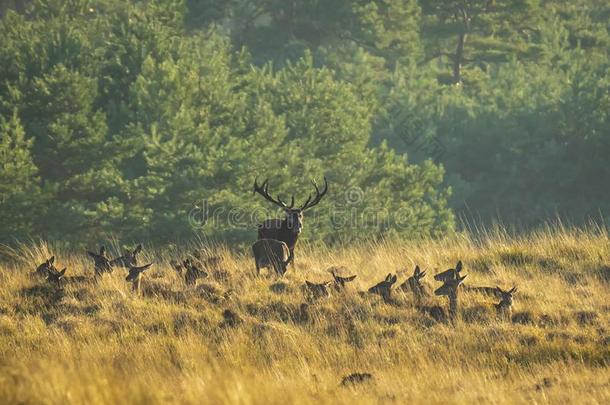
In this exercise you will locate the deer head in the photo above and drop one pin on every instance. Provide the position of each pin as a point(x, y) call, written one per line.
point(135, 272)
point(294, 216)
point(129, 259)
point(101, 261)
point(43, 269)
point(450, 274)
point(415, 279)
point(414, 284)
point(192, 273)
point(449, 288)
point(506, 297)
point(316, 290)
point(176, 266)
point(341, 281)
point(384, 288)
point(55, 277)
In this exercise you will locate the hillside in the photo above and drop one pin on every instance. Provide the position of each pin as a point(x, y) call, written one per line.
point(235, 338)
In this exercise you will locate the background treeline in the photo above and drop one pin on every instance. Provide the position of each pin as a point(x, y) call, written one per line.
point(115, 116)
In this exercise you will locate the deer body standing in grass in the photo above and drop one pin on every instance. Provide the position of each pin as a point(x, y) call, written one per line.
point(271, 253)
point(288, 229)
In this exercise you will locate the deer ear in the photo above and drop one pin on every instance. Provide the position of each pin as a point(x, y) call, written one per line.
point(351, 278)
point(417, 271)
point(51, 260)
point(328, 283)
point(388, 277)
point(422, 274)
point(102, 250)
point(393, 279)
point(463, 278)
point(498, 289)
point(513, 290)
point(138, 249)
point(63, 271)
point(458, 266)
point(308, 283)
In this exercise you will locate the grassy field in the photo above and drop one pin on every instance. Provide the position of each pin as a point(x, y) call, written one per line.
point(241, 339)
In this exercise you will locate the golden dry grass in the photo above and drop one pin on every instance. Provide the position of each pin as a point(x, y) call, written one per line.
point(100, 343)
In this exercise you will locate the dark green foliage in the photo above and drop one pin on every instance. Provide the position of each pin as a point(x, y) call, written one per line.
point(131, 122)
point(119, 117)
point(20, 196)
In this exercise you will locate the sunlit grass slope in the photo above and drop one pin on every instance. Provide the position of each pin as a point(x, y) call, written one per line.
point(235, 338)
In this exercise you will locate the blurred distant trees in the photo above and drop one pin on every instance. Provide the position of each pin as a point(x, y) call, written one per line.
point(117, 116)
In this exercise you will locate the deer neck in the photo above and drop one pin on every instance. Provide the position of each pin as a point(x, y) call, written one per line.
point(453, 304)
point(504, 306)
point(136, 285)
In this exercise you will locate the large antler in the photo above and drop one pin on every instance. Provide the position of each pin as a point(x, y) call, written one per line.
point(263, 190)
point(309, 203)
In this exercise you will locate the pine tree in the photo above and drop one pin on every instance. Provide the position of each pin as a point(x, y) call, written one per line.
point(20, 195)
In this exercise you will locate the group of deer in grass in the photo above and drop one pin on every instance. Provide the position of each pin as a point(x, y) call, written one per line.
point(274, 249)
point(101, 264)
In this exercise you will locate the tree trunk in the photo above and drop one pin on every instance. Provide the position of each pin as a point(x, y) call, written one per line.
point(459, 58)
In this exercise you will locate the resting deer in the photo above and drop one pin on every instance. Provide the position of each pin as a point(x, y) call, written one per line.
point(315, 290)
point(489, 291)
point(286, 230)
point(135, 276)
point(206, 260)
point(58, 279)
point(505, 307)
point(415, 285)
point(212, 265)
point(450, 289)
point(192, 272)
point(101, 262)
point(129, 259)
point(384, 288)
point(55, 277)
point(42, 271)
point(178, 267)
point(450, 274)
point(271, 253)
point(340, 282)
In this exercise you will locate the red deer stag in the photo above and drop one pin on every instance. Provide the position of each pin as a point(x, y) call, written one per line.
point(286, 230)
